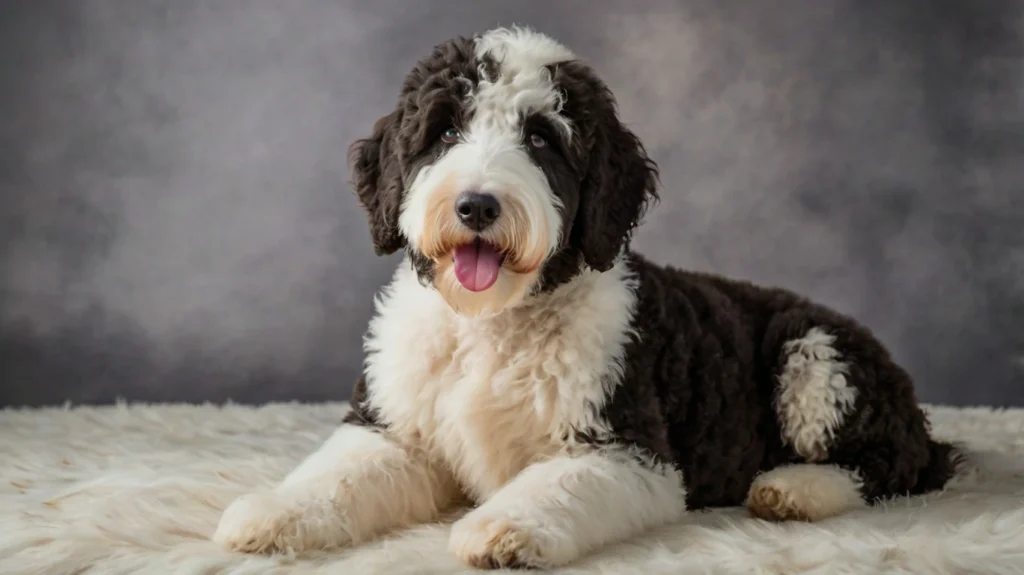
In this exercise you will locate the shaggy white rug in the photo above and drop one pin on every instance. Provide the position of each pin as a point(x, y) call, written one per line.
point(139, 489)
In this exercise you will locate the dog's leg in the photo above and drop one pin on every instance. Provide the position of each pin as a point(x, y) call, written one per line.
point(556, 510)
point(357, 485)
point(842, 402)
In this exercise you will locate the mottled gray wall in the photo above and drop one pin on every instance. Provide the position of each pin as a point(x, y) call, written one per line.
point(176, 224)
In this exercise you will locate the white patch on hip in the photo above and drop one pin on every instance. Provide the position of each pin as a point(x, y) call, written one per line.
point(813, 396)
point(804, 492)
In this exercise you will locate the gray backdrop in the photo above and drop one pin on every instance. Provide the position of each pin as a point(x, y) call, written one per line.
point(176, 223)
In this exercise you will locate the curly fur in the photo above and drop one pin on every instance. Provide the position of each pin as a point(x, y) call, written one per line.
point(612, 394)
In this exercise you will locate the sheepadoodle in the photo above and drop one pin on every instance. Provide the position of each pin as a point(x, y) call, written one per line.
point(523, 359)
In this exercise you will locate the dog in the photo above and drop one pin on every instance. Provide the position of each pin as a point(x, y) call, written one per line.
point(525, 360)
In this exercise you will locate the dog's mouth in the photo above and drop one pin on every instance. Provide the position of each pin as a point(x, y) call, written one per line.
point(477, 264)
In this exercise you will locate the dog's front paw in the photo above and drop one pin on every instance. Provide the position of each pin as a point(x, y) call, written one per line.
point(271, 523)
point(486, 541)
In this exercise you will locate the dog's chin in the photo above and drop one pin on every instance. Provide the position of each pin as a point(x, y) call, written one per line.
point(511, 286)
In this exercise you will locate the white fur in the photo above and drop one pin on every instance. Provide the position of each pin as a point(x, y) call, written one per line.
point(558, 510)
point(806, 491)
point(520, 49)
point(813, 397)
point(140, 488)
point(486, 398)
point(357, 485)
point(490, 396)
point(491, 160)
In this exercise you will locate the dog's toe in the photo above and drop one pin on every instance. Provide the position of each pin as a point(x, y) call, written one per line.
point(496, 543)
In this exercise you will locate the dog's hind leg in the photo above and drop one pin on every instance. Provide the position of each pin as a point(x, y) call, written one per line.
point(849, 413)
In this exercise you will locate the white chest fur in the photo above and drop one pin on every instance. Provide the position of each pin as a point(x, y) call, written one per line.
point(489, 396)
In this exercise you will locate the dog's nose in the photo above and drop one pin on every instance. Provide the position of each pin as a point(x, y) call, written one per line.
point(477, 211)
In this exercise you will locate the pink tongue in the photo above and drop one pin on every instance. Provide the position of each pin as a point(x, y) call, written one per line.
point(477, 265)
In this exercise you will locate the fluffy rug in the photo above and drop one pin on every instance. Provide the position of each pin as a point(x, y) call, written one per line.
point(139, 489)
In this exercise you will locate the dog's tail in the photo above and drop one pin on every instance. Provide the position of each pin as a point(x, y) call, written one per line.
point(945, 461)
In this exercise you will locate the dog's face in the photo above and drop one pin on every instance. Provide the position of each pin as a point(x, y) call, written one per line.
point(503, 171)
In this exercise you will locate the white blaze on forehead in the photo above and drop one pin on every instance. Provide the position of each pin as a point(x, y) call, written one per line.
point(523, 85)
point(521, 49)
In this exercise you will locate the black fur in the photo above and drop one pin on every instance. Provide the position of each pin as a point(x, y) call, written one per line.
point(701, 380)
point(701, 377)
point(378, 183)
point(362, 413)
point(619, 179)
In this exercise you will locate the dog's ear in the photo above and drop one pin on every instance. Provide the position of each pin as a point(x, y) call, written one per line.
point(619, 180)
point(377, 178)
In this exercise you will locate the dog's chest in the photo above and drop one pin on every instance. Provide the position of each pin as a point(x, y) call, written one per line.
point(502, 403)
point(490, 396)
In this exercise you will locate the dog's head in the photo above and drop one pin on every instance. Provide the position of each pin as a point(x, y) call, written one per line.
point(504, 170)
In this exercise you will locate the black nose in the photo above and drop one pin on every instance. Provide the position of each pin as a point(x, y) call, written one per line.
point(477, 211)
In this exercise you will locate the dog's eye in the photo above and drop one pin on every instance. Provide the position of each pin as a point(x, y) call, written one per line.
point(538, 141)
point(450, 136)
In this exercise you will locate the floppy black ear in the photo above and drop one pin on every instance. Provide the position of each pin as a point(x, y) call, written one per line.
point(618, 185)
point(377, 177)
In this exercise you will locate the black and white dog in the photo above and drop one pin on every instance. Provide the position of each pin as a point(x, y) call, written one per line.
point(523, 358)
